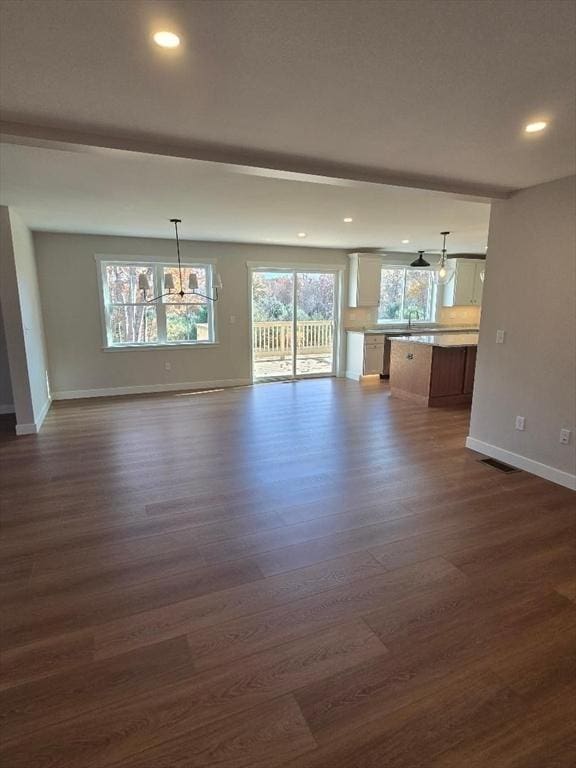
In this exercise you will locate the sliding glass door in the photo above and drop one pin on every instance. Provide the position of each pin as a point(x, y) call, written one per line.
point(293, 323)
point(272, 324)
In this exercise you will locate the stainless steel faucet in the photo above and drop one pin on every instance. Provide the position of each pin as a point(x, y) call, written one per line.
point(410, 313)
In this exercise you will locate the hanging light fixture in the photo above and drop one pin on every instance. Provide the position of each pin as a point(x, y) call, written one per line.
point(443, 271)
point(169, 286)
point(169, 282)
point(420, 261)
point(143, 284)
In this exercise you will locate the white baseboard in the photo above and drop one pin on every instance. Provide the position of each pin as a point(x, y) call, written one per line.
point(4, 409)
point(26, 429)
point(43, 412)
point(353, 375)
point(35, 427)
point(522, 462)
point(144, 389)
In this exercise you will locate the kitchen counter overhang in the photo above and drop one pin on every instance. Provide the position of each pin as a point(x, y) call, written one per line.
point(447, 340)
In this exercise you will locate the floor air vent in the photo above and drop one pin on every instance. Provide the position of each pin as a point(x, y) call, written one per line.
point(499, 465)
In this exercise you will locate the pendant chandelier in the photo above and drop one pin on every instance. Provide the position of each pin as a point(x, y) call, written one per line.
point(144, 286)
point(443, 272)
point(420, 261)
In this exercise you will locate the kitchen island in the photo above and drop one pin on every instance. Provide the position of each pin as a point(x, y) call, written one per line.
point(433, 369)
point(368, 348)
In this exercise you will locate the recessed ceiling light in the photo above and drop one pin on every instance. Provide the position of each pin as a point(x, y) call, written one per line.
point(536, 127)
point(405, 242)
point(166, 39)
point(301, 234)
point(348, 220)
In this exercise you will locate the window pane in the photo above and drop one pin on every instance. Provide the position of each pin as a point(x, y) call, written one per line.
point(122, 282)
point(200, 273)
point(418, 293)
point(391, 285)
point(133, 325)
point(188, 322)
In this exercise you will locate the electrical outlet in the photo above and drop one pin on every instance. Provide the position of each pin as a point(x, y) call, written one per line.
point(232, 319)
point(520, 422)
point(564, 436)
point(167, 366)
point(500, 337)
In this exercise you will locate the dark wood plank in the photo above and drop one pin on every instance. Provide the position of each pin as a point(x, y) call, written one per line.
point(25, 663)
point(528, 740)
point(231, 641)
point(79, 609)
point(114, 734)
point(468, 706)
point(218, 607)
point(292, 536)
point(32, 706)
point(264, 737)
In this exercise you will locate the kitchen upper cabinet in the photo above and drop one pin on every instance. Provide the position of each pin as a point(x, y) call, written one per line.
point(466, 286)
point(364, 280)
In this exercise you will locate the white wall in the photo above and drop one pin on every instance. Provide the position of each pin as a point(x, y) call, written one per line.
point(530, 293)
point(21, 308)
point(6, 399)
point(79, 364)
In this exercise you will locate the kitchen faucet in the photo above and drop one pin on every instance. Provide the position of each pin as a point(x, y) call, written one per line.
point(410, 313)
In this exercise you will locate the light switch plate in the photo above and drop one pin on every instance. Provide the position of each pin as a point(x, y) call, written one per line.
point(520, 423)
point(500, 335)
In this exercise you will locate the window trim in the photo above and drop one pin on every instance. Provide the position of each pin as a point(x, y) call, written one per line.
point(103, 260)
point(432, 297)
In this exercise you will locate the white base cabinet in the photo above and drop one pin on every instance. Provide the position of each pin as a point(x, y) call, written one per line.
point(364, 354)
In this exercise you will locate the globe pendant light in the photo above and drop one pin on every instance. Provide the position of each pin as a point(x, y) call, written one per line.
point(420, 261)
point(443, 272)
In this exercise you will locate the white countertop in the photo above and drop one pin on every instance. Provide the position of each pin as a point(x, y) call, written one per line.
point(415, 330)
point(441, 339)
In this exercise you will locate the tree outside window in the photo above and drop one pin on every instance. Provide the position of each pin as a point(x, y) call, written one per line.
point(132, 319)
point(404, 290)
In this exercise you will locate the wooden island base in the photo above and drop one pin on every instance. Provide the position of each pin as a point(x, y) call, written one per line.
point(432, 375)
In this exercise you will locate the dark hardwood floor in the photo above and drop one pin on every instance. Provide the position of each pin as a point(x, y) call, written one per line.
point(309, 575)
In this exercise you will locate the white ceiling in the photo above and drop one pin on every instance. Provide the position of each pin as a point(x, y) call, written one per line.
point(106, 191)
point(437, 89)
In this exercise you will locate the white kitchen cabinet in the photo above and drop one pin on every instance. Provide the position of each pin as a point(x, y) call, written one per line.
point(373, 358)
point(364, 354)
point(466, 286)
point(364, 280)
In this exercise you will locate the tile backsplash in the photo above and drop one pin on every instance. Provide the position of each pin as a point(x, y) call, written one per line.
point(459, 316)
point(357, 317)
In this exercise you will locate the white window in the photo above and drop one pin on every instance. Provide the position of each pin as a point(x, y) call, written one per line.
point(404, 290)
point(131, 319)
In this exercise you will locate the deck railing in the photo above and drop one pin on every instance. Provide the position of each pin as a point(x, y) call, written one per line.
point(274, 339)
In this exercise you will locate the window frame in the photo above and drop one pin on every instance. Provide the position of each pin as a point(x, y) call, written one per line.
point(432, 297)
point(102, 261)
